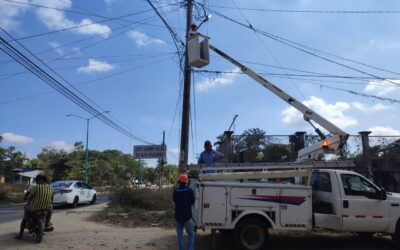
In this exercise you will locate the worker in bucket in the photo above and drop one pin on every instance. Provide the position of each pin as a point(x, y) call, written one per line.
point(183, 197)
point(209, 155)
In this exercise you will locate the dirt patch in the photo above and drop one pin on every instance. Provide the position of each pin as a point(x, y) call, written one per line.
point(134, 217)
point(73, 230)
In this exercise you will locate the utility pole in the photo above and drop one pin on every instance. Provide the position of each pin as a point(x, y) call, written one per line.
point(184, 148)
point(162, 164)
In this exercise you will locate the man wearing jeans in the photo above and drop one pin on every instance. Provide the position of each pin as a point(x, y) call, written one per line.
point(183, 197)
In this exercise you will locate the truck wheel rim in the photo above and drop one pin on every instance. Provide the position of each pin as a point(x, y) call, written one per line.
point(252, 237)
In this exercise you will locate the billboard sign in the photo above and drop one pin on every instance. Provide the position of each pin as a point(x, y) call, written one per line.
point(149, 151)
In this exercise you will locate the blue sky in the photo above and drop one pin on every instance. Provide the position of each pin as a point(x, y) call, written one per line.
point(130, 68)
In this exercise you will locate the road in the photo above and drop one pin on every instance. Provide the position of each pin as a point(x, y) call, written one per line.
point(15, 212)
point(75, 231)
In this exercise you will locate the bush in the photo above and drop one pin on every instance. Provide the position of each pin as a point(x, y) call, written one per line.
point(148, 199)
point(12, 193)
point(4, 190)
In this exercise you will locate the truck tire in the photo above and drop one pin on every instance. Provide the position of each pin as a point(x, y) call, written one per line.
point(365, 234)
point(396, 236)
point(251, 234)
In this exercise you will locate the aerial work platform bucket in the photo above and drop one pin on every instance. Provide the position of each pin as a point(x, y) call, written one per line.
point(198, 50)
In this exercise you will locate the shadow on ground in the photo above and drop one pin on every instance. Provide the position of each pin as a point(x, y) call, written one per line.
point(306, 241)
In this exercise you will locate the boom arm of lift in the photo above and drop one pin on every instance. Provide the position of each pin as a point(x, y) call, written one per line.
point(327, 145)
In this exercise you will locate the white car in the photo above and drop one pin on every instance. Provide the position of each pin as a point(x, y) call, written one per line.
point(73, 192)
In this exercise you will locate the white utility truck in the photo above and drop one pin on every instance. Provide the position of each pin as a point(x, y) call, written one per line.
point(249, 199)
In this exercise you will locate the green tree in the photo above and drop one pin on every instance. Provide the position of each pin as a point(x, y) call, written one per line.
point(54, 163)
point(150, 175)
point(276, 153)
point(249, 146)
point(170, 173)
point(10, 159)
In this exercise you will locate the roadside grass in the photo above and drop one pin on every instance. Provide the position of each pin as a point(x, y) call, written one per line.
point(12, 193)
point(139, 208)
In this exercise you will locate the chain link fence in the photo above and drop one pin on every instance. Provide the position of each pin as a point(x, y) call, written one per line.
point(380, 161)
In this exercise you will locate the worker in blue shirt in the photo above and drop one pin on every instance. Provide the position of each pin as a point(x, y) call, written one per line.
point(183, 197)
point(208, 156)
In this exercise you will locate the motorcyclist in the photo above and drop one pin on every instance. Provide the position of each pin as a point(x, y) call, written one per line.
point(39, 199)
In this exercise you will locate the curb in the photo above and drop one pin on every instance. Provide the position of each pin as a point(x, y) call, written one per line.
point(12, 205)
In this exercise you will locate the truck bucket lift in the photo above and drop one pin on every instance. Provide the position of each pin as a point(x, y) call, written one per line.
point(198, 54)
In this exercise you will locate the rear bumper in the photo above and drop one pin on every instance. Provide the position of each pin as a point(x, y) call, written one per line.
point(63, 199)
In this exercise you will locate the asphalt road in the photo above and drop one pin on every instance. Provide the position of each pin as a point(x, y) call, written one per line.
point(16, 212)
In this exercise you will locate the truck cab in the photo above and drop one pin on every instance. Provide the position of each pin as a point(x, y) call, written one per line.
point(347, 201)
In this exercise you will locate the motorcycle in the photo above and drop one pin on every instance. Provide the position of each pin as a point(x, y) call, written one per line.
point(36, 225)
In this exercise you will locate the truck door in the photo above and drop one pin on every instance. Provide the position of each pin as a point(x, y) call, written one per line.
point(295, 207)
point(326, 207)
point(363, 210)
point(214, 206)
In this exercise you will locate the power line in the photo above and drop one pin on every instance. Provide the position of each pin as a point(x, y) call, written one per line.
point(145, 21)
point(83, 25)
point(391, 100)
point(86, 82)
point(311, 11)
point(172, 31)
point(302, 75)
point(89, 66)
point(88, 46)
point(146, 55)
point(278, 39)
point(386, 99)
point(267, 48)
point(54, 8)
point(305, 46)
point(31, 66)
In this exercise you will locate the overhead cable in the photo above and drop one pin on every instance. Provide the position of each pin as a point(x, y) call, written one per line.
point(311, 11)
point(51, 81)
point(83, 25)
point(276, 38)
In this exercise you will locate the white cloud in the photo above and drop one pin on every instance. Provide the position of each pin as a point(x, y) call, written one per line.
point(11, 137)
point(335, 113)
point(55, 46)
point(384, 88)
point(224, 79)
point(62, 145)
point(96, 66)
point(109, 2)
point(365, 108)
point(143, 40)
point(92, 29)
point(56, 19)
point(9, 12)
point(379, 130)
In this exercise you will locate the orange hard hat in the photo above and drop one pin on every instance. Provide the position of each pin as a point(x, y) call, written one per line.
point(183, 178)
